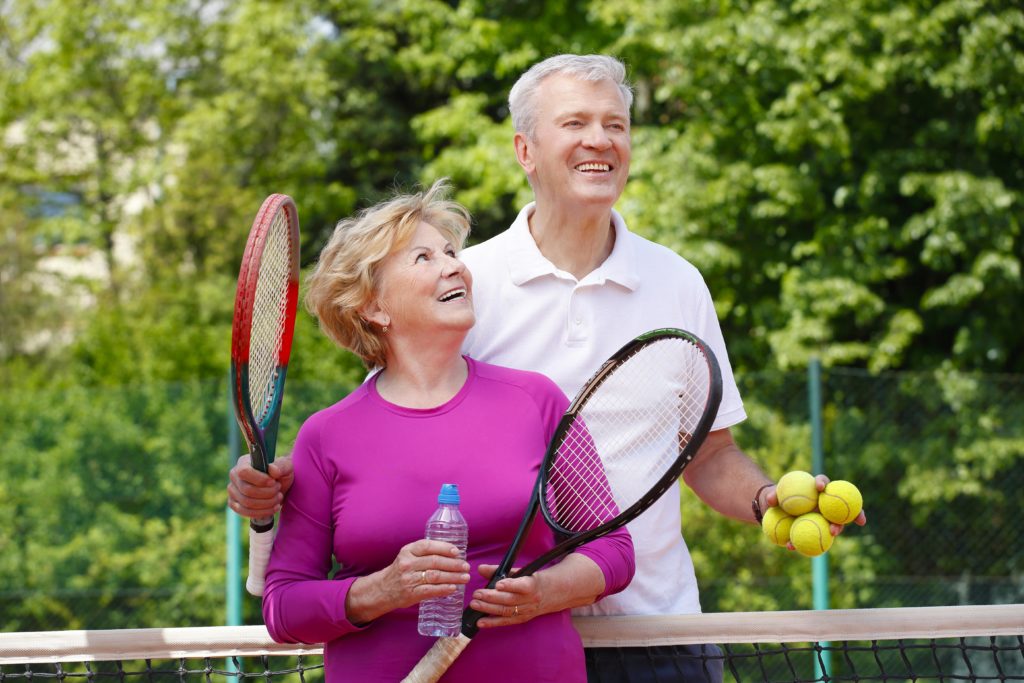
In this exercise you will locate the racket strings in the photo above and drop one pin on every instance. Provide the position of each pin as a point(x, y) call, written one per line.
point(270, 303)
point(578, 493)
point(628, 433)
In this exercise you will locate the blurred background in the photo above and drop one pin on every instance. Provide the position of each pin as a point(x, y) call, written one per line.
point(848, 176)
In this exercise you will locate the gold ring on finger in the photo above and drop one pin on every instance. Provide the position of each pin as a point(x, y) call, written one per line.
point(423, 576)
point(515, 613)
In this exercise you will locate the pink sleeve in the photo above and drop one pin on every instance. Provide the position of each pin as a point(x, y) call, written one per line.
point(300, 604)
point(614, 555)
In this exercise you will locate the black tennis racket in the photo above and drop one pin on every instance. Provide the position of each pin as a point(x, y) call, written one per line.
point(625, 439)
point(261, 344)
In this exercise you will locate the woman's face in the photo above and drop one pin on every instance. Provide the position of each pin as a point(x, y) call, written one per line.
point(424, 288)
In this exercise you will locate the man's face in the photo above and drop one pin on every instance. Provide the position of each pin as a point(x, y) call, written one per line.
point(580, 148)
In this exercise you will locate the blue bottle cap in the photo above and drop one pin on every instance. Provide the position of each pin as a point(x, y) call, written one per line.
point(449, 494)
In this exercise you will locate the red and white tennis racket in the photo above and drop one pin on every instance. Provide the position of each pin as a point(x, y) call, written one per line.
point(261, 343)
point(625, 439)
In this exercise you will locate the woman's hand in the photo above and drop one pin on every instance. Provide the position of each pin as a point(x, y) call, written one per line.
point(511, 601)
point(422, 569)
point(575, 581)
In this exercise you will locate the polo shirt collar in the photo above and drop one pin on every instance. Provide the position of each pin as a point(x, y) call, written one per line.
point(526, 262)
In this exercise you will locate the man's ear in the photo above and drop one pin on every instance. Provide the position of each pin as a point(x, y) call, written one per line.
point(524, 152)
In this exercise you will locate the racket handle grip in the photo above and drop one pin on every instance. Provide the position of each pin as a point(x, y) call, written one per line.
point(437, 660)
point(260, 545)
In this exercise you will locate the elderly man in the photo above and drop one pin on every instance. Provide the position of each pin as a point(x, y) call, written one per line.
point(563, 288)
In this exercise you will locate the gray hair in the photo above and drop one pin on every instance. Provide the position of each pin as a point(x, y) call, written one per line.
point(521, 104)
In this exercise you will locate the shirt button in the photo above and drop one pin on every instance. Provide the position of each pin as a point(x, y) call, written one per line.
point(579, 321)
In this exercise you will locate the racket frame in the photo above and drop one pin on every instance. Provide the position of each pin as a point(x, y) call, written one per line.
point(669, 478)
point(445, 651)
point(261, 436)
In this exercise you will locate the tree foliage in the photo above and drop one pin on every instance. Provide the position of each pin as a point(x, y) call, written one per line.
point(846, 175)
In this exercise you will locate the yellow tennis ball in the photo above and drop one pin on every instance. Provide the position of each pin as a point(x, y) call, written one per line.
point(776, 524)
point(840, 502)
point(797, 493)
point(810, 534)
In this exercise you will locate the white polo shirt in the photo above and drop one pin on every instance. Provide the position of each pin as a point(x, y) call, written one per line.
point(531, 315)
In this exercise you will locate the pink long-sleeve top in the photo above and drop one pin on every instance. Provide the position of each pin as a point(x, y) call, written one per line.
point(367, 474)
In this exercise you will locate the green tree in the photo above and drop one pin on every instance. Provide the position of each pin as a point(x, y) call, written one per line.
point(261, 118)
point(26, 307)
point(85, 99)
point(846, 172)
point(843, 173)
point(846, 176)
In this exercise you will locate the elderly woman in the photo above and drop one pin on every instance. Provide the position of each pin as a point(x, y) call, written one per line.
point(390, 287)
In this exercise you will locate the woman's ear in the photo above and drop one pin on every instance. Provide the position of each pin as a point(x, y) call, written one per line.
point(374, 313)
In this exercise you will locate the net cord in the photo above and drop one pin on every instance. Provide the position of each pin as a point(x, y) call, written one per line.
point(726, 627)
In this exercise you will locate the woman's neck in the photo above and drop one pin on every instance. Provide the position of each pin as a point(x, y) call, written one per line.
point(422, 377)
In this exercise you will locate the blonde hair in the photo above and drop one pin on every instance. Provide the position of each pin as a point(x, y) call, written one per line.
point(522, 104)
point(347, 274)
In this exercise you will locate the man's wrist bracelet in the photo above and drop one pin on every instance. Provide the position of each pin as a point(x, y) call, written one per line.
point(755, 504)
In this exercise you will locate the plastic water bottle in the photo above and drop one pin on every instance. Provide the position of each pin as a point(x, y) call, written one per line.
point(443, 616)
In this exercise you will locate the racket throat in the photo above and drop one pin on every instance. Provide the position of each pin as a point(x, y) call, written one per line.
point(471, 616)
point(273, 414)
point(505, 568)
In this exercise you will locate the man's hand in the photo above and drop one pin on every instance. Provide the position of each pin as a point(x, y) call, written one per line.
point(256, 495)
point(771, 498)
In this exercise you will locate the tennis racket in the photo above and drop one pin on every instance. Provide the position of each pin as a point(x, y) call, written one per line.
point(261, 343)
point(625, 439)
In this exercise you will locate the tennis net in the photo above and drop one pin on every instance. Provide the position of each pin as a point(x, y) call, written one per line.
point(962, 643)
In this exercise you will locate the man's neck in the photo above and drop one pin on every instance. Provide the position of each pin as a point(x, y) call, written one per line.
point(574, 242)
